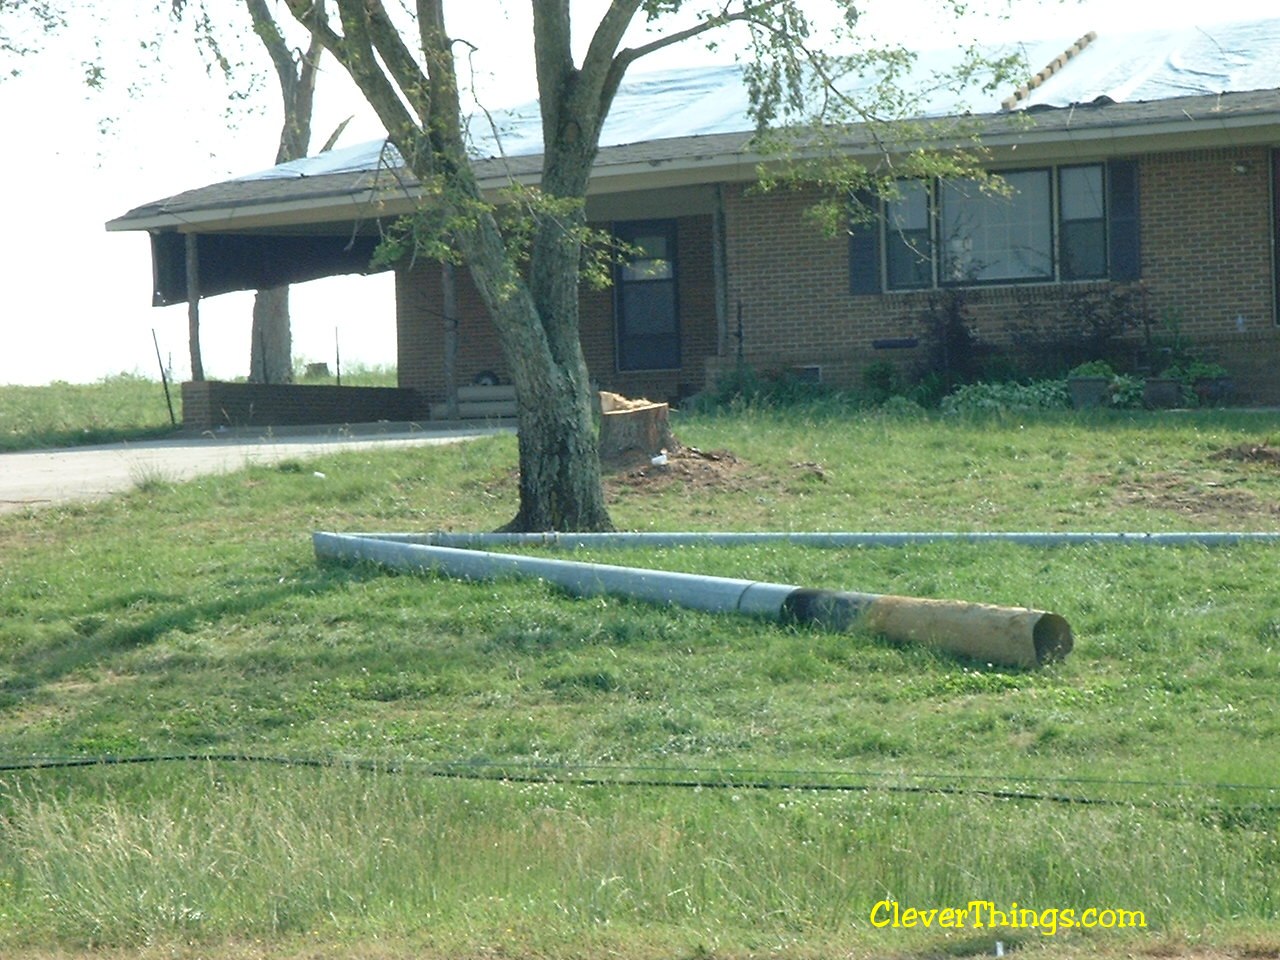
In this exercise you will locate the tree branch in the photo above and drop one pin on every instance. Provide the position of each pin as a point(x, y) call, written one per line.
point(395, 54)
point(354, 51)
point(311, 62)
point(264, 25)
point(444, 122)
point(598, 61)
point(312, 15)
point(553, 58)
point(297, 81)
point(750, 13)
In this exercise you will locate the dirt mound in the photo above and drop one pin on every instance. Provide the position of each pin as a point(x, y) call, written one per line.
point(1251, 453)
point(686, 467)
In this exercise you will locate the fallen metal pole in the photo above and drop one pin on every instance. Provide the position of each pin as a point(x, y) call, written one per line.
point(1004, 635)
point(835, 539)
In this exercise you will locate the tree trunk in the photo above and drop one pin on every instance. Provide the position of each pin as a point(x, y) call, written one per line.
point(449, 303)
point(271, 349)
point(560, 483)
point(271, 352)
point(536, 318)
point(633, 432)
point(560, 486)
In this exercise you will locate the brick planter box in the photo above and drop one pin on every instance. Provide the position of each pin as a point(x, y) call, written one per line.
point(211, 404)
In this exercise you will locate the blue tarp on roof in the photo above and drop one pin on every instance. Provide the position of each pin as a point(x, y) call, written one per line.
point(1162, 64)
point(699, 101)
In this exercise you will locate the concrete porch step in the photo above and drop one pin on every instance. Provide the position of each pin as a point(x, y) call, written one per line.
point(484, 393)
point(476, 402)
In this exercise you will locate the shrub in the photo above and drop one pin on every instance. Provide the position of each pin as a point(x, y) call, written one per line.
point(956, 355)
point(1092, 368)
point(1008, 397)
point(1085, 324)
point(882, 380)
point(1126, 392)
point(1203, 383)
point(901, 407)
point(744, 386)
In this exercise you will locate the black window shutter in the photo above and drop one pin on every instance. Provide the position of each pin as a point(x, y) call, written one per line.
point(1125, 253)
point(1275, 229)
point(864, 246)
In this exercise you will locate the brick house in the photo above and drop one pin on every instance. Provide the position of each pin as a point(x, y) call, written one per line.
point(1143, 163)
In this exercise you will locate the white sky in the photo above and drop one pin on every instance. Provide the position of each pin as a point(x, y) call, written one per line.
point(75, 300)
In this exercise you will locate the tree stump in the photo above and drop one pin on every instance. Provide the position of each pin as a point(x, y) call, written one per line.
point(633, 431)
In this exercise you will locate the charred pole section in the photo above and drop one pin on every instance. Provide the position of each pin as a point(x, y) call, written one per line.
point(1007, 636)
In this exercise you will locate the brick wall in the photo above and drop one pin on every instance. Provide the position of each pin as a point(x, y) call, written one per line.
point(1207, 258)
point(1206, 254)
point(420, 332)
point(1206, 262)
point(211, 404)
point(420, 327)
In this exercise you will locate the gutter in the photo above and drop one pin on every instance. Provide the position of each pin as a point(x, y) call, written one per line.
point(715, 166)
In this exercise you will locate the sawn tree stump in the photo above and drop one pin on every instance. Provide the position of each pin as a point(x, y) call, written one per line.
point(633, 431)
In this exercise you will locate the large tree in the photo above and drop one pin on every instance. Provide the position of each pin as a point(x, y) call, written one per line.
point(529, 278)
point(410, 78)
point(271, 341)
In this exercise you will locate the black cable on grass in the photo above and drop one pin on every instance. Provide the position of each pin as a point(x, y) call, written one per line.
point(570, 775)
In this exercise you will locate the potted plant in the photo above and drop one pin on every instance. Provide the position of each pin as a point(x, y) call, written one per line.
point(1161, 392)
point(1210, 382)
point(1089, 384)
point(1201, 382)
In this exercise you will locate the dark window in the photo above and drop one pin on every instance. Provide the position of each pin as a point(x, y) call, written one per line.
point(646, 304)
point(1082, 223)
point(1075, 222)
point(909, 237)
point(989, 234)
point(1124, 240)
point(864, 244)
point(1275, 230)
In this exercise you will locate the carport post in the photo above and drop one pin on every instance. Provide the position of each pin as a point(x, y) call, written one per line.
point(193, 307)
point(449, 298)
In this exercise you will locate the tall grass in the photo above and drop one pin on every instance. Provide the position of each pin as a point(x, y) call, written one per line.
point(210, 851)
point(122, 407)
point(191, 618)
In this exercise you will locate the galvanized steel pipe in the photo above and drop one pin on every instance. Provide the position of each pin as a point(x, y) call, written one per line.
point(1008, 636)
point(837, 539)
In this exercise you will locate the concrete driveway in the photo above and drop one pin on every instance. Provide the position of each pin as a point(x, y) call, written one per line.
point(40, 478)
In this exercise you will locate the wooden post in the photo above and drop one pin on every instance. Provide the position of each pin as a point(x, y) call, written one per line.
point(449, 307)
point(193, 307)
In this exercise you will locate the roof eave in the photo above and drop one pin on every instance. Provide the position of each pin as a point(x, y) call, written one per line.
point(1093, 137)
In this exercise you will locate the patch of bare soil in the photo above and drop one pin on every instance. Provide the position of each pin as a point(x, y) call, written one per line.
point(1218, 495)
point(688, 467)
point(1220, 501)
point(1251, 453)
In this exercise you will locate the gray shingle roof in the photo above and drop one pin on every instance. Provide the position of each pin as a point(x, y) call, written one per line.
point(709, 158)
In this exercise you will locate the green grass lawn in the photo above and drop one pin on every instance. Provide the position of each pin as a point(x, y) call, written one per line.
point(500, 770)
point(124, 407)
point(121, 407)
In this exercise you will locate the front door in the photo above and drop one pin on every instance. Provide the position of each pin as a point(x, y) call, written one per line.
point(646, 305)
